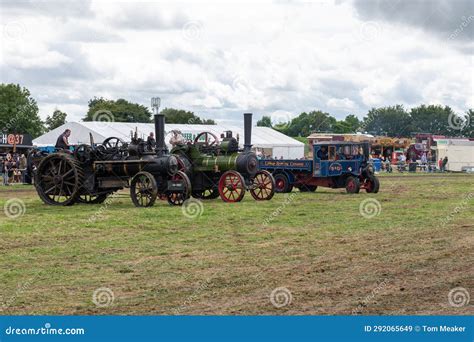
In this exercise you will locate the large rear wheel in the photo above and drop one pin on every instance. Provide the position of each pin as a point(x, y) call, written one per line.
point(58, 179)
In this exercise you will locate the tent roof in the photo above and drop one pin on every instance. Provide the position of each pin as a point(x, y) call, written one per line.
point(261, 136)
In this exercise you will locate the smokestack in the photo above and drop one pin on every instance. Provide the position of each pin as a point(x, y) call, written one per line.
point(160, 134)
point(247, 132)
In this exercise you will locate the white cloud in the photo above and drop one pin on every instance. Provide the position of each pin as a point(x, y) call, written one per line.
point(220, 60)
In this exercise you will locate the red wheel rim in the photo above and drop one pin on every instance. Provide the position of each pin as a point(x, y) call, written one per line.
point(369, 185)
point(351, 185)
point(280, 184)
point(263, 188)
point(231, 187)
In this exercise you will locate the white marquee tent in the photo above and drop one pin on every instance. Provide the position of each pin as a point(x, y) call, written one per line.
point(264, 139)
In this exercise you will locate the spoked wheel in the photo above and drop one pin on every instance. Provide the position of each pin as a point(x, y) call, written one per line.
point(58, 179)
point(92, 199)
point(143, 189)
point(372, 184)
point(206, 194)
point(232, 186)
point(178, 197)
point(263, 186)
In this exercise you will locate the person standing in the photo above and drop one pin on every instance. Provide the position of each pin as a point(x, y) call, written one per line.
point(445, 162)
point(22, 167)
point(440, 164)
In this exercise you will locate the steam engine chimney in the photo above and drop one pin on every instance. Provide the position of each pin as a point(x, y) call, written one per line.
point(247, 132)
point(160, 134)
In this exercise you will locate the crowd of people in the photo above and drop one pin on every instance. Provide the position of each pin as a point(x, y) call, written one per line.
point(13, 168)
point(424, 164)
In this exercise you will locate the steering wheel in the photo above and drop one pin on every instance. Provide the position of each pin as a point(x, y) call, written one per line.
point(210, 139)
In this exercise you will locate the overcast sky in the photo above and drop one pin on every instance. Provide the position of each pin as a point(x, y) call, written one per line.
point(222, 59)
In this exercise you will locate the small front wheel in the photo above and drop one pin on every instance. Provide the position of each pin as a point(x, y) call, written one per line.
point(263, 187)
point(143, 189)
point(232, 186)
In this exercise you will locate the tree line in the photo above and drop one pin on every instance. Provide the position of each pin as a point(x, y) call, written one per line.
point(392, 121)
point(19, 113)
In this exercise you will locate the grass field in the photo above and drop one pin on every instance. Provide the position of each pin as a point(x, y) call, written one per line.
point(402, 254)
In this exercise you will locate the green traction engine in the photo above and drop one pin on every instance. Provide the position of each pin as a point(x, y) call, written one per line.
point(217, 167)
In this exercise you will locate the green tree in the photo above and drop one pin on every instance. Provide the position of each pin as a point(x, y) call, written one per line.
point(265, 121)
point(180, 116)
point(57, 119)
point(121, 110)
point(306, 123)
point(392, 121)
point(19, 111)
point(468, 130)
point(434, 119)
point(350, 124)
